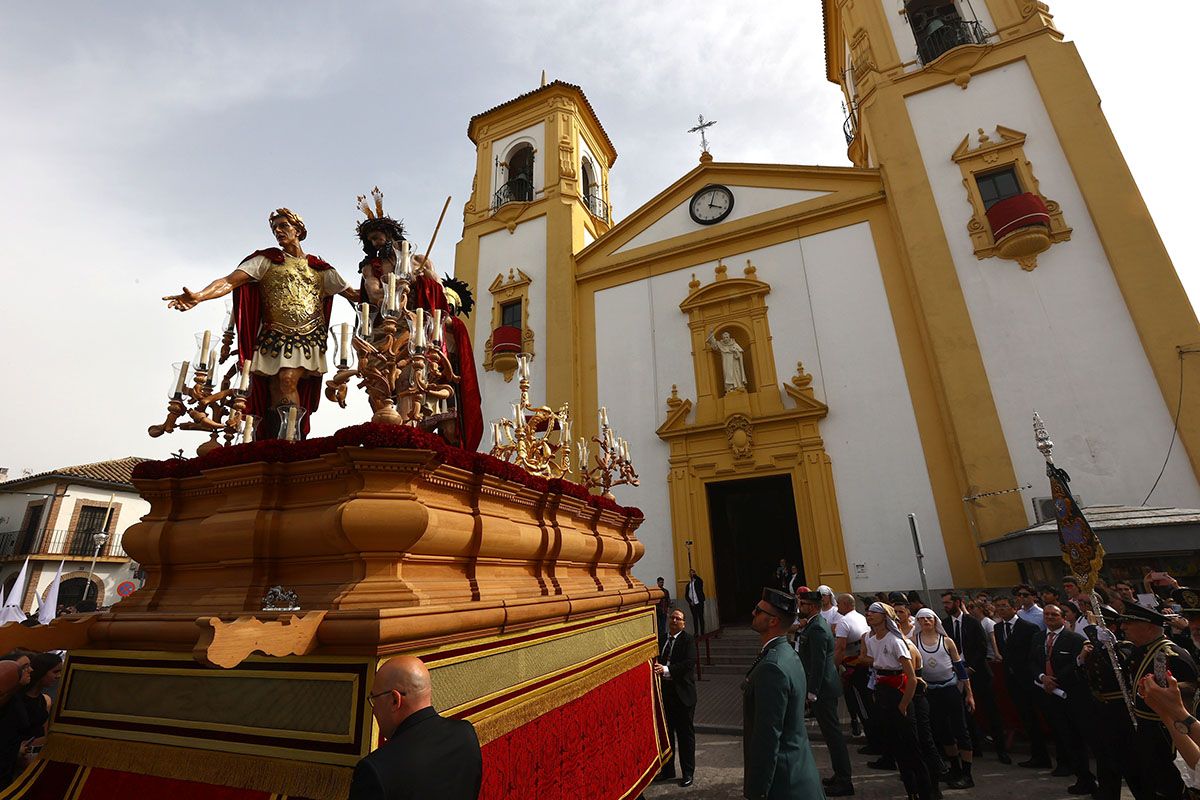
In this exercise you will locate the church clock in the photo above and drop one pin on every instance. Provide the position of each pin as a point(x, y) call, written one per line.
point(711, 204)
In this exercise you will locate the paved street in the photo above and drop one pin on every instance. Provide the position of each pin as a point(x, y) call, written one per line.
point(719, 776)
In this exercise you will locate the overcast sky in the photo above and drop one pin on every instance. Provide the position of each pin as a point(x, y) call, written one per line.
point(143, 144)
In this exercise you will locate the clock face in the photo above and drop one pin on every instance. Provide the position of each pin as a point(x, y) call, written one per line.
point(711, 204)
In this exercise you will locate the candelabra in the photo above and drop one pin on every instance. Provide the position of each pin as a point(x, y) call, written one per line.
point(526, 439)
point(611, 464)
point(401, 365)
point(214, 411)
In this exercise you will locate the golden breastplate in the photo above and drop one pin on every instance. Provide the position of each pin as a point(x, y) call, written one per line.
point(292, 296)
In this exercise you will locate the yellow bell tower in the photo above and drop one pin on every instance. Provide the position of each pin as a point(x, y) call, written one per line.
point(1022, 232)
point(540, 195)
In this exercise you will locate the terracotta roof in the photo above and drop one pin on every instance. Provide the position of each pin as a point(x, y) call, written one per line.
point(116, 471)
point(549, 86)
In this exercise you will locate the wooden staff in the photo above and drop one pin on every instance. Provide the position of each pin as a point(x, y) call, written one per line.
point(436, 228)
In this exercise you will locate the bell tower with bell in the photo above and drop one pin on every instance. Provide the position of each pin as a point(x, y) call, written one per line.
point(539, 196)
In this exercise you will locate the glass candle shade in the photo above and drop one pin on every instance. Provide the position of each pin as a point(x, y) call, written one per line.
point(290, 421)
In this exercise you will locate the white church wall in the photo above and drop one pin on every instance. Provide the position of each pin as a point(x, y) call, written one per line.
point(747, 201)
point(634, 386)
point(525, 249)
point(534, 135)
point(1058, 339)
point(870, 433)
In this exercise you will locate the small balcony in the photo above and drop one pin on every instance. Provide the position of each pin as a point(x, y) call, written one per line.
point(596, 206)
point(74, 544)
point(517, 190)
point(1020, 226)
point(943, 35)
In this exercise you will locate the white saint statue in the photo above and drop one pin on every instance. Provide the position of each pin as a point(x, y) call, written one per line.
point(731, 361)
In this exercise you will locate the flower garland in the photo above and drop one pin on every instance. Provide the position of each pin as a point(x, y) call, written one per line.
point(374, 434)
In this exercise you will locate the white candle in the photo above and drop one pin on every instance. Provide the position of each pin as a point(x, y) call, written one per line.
point(247, 429)
point(437, 326)
point(245, 382)
point(628, 452)
point(364, 319)
point(183, 371)
point(603, 415)
point(420, 328)
point(391, 291)
point(290, 433)
point(495, 434)
point(566, 434)
point(345, 354)
point(405, 258)
point(204, 347)
point(212, 365)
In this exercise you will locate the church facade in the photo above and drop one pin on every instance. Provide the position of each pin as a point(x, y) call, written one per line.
point(803, 357)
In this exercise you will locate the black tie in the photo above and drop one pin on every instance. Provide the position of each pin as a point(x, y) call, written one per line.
point(666, 653)
point(958, 634)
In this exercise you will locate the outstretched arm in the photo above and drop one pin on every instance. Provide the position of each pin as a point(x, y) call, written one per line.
point(218, 288)
point(351, 294)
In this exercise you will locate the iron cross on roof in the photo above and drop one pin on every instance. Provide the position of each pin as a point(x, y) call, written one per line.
point(700, 129)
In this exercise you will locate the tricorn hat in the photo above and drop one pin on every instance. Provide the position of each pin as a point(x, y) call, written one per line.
point(808, 597)
point(782, 602)
point(1135, 613)
point(898, 598)
point(1188, 599)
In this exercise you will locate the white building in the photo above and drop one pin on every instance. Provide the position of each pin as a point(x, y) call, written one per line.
point(52, 519)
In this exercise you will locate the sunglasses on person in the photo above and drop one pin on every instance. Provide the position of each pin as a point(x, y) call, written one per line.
point(758, 611)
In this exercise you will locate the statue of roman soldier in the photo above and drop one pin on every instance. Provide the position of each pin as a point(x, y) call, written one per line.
point(281, 304)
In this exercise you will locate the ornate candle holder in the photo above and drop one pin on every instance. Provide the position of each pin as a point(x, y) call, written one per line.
point(526, 440)
point(401, 365)
point(611, 463)
point(215, 412)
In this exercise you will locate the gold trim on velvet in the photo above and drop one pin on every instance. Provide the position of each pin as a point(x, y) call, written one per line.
point(296, 778)
point(506, 717)
point(24, 780)
point(479, 676)
point(94, 684)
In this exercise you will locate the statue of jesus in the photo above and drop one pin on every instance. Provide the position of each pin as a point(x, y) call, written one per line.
point(731, 361)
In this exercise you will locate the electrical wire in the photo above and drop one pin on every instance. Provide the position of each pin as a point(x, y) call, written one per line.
point(1174, 432)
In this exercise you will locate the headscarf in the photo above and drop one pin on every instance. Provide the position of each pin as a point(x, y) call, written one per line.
point(927, 613)
point(823, 589)
point(889, 620)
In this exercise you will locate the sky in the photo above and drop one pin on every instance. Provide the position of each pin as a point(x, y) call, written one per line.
point(143, 144)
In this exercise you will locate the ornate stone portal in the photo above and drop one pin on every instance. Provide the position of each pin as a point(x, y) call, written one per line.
point(750, 433)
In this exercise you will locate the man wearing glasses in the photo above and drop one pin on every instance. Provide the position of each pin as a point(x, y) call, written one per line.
point(778, 760)
point(1029, 611)
point(425, 754)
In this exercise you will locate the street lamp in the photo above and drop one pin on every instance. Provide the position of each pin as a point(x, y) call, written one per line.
point(99, 539)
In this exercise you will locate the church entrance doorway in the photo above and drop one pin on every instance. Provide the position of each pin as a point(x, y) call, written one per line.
point(753, 525)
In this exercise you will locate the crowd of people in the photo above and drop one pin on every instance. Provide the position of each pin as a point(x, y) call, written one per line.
point(935, 689)
point(27, 683)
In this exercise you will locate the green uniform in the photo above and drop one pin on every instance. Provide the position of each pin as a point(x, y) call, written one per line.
point(778, 760)
point(815, 645)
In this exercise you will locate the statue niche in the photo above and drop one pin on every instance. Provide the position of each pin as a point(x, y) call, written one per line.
point(732, 360)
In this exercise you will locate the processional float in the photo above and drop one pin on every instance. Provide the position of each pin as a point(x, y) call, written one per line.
point(281, 570)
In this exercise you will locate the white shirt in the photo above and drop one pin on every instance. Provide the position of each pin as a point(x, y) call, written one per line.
point(692, 597)
point(989, 625)
point(1032, 614)
point(670, 642)
point(888, 652)
point(831, 616)
point(851, 626)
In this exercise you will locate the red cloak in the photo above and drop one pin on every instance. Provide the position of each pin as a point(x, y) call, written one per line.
point(247, 317)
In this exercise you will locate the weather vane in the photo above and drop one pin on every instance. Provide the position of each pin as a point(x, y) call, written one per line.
point(700, 129)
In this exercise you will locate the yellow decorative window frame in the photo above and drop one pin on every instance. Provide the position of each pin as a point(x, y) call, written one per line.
point(504, 290)
point(992, 155)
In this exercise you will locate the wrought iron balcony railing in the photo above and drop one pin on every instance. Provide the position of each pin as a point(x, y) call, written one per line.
point(518, 190)
point(596, 205)
point(68, 543)
point(850, 127)
point(945, 35)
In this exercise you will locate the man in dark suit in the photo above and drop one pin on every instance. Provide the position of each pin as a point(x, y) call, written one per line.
point(1064, 696)
point(694, 593)
point(815, 646)
point(426, 755)
point(677, 668)
point(968, 634)
point(1014, 638)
